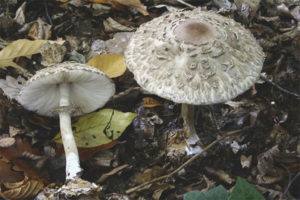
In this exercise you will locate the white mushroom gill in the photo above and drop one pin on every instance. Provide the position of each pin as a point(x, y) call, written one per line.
point(72, 159)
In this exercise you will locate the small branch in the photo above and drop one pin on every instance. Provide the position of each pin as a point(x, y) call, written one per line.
point(126, 92)
point(279, 87)
point(186, 4)
point(186, 163)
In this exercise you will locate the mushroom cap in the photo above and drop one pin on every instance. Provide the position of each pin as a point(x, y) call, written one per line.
point(194, 57)
point(89, 88)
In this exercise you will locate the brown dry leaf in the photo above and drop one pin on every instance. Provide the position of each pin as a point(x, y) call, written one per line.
point(40, 30)
point(161, 188)
point(220, 174)
point(265, 162)
point(150, 102)
point(149, 174)
point(119, 4)
point(7, 174)
point(21, 190)
point(246, 161)
point(112, 65)
point(247, 8)
point(13, 154)
point(110, 25)
point(22, 47)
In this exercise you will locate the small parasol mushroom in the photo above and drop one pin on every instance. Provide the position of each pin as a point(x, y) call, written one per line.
point(67, 89)
point(194, 58)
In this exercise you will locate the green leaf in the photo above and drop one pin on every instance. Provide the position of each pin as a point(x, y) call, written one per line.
point(217, 193)
point(244, 191)
point(194, 195)
point(89, 129)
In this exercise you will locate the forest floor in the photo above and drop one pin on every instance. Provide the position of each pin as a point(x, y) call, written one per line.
point(255, 136)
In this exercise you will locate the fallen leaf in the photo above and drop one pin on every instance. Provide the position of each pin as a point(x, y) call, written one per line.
point(118, 43)
point(24, 189)
point(11, 86)
point(14, 155)
point(110, 25)
point(22, 47)
point(7, 174)
point(99, 128)
point(220, 174)
point(40, 30)
point(20, 14)
point(112, 65)
point(150, 102)
point(149, 174)
point(246, 161)
point(119, 4)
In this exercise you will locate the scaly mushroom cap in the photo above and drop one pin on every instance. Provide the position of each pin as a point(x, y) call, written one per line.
point(194, 57)
point(90, 88)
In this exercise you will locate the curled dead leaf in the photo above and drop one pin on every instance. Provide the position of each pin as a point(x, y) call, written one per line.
point(21, 190)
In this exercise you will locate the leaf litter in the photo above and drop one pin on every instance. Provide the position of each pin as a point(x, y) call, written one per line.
point(264, 152)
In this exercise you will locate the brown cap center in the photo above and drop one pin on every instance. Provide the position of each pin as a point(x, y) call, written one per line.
point(195, 32)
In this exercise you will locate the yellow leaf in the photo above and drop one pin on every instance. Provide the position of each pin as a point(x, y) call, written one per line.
point(22, 47)
point(112, 65)
point(89, 129)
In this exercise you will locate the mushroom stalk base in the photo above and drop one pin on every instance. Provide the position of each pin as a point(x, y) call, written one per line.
point(192, 139)
point(72, 159)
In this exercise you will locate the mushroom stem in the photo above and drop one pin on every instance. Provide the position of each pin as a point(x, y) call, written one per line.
point(71, 152)
point(187, 113)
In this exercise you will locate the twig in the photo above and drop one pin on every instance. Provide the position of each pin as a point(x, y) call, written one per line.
point(290, 183)
point(47, 13)
point(186, 163)
point(186, 4)
point(126, 92)
point(263, 77)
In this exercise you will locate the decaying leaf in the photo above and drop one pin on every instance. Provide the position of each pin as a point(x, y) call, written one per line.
point(220, 174)
point(14, 153)
point(265, 162)
point(247, 8)
point(118, 43)
point(11, 86)
point(246, 161)
point(40, 30)
point(119, 4)
point(112, 65)
point(110, 25)
point(21, 190)
point(7, 174)
point(99, 128)
point(20, 16)
point(149, 174)
point(150, 102)
point(22, 47)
